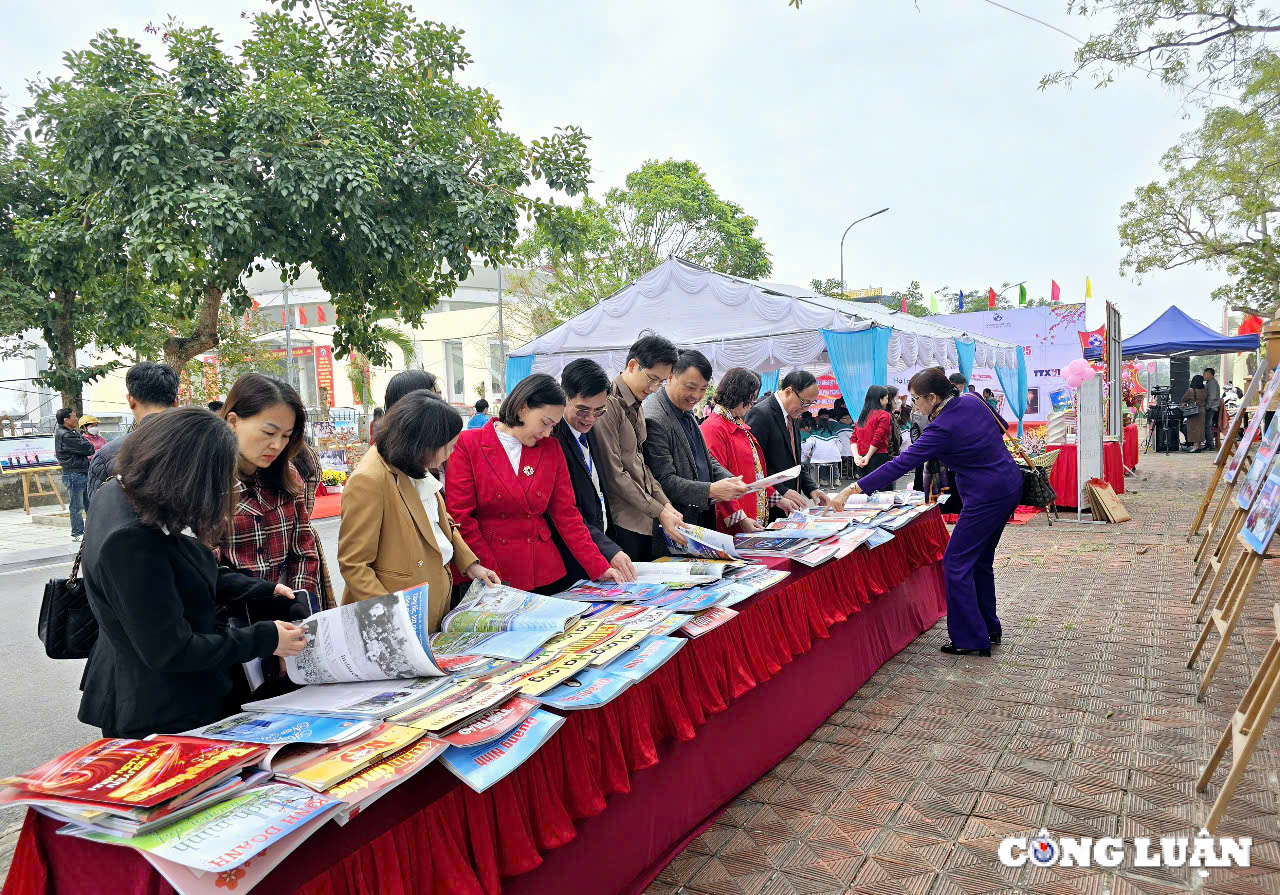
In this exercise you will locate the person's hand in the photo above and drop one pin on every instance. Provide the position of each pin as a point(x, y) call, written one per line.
point(479, 573)
point(791, 504)
point(863, 461)
point(290, 639)
point(748, 525)
point(621, 563)
point(838, 502)
point(821, 497)
point(728, 489)
point(283, 590)
point(671, 520)
point(612, 575)
point(796, 498)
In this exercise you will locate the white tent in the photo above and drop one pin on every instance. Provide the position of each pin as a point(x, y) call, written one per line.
point(741, 323)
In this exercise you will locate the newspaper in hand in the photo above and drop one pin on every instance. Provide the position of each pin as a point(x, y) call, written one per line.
point(368, 640)
point(776, 479)
point(703, 543)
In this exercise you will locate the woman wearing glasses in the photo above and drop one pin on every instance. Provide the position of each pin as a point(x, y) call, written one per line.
point(509, 487)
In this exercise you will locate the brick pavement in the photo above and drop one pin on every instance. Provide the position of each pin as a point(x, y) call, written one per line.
point(1084, 722)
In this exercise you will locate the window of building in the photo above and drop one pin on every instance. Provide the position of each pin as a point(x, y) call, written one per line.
point(455, 371)
point(497, 369)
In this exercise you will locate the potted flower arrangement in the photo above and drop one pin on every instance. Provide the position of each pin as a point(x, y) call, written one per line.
point(333, 480)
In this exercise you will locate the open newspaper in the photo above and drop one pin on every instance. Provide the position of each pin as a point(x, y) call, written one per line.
point(378, 639)
point(776, 479)
point(704, 543)
point(504, 623)
point(680, 574)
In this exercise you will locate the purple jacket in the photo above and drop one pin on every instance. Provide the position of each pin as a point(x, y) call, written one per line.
point(967, 439)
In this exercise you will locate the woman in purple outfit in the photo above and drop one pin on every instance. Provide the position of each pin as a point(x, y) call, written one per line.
point(964, 435)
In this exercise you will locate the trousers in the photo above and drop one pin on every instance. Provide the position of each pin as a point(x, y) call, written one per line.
point(967, 567)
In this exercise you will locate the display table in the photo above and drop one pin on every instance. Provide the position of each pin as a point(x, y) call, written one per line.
point(1130, 451)
point(727, 708)
point(1063, 475)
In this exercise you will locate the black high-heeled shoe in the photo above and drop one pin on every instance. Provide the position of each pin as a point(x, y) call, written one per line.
point(996, 638)
point(952, 650)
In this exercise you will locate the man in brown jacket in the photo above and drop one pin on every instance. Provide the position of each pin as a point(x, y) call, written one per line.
point(635, 498)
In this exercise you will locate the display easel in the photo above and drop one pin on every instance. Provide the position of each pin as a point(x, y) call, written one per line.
point(1224, 450)
point(1218, 561)
point(1246, 727)
point(31, 487)
point(1228, 609)
point(1219, 512)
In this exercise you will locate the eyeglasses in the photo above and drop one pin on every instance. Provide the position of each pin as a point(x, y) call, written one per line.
point(804, 404)
point(582, 410)
point(653, 380)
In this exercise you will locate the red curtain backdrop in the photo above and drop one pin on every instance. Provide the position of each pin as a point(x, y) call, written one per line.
point(433, 834)
point(1131, 446)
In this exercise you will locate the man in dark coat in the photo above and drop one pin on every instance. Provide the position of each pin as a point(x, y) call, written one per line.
point(773, 423)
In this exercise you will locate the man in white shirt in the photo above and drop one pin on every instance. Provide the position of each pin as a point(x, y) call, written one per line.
point(586, 388)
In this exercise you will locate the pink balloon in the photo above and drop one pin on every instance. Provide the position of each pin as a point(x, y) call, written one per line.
point(1088, 374)
point(1070, 378)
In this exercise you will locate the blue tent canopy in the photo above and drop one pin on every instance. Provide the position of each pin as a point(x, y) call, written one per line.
point(1174, 334)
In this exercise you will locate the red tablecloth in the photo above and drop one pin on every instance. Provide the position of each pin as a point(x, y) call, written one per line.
point(1063, 475)
point(1131, 446)
point(715, 718)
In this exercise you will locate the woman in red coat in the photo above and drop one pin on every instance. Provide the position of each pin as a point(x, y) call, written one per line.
point(730, 441)
point(871, 432)
point(507, 478)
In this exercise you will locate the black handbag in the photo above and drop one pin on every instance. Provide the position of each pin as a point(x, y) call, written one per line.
point(67, 627)
point(1036, 490)
point(1189, 409)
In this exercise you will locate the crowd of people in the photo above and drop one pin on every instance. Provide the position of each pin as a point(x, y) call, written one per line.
point(199, 553)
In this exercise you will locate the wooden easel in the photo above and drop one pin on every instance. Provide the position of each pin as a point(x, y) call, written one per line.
point(31, 487)
point(1218, 560)
point(1223, 503)
point(1246, 727)
point(1224, 453)
point(1228, 609)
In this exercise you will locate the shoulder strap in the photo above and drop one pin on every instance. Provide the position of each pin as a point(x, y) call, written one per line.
point(75, 566)
point(1004, 433)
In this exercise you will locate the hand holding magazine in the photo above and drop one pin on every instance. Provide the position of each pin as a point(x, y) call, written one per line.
point(776, 479)
point(703, 543)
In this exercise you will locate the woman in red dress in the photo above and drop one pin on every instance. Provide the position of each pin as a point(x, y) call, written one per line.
point(507, 480)
point(730, 441)
point(871, 433)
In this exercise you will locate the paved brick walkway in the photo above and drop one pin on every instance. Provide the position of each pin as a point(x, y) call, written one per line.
point(1084, 722)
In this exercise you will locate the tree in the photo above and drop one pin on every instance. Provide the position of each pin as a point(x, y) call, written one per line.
point(238, 352)
point(1215, 205)
point(665, 209)
point(58, 276)
point(360, 367)
point(1218, 41)
point(341, 137)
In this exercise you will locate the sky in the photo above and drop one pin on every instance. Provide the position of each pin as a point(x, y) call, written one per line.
point(808, 119)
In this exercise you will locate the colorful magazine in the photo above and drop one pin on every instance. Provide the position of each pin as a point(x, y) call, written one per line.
point(339, 764)
point(228, 834)
point(361, 790)
point(456, 706)
point(646, 657)
point(670, 625)
point(372, 700)
point(712, 618)
point(593, 591)
point(490, 609)
point(273, 727)
point(136, 773)
point(492, 724)
point(704, 543)
point(482, 766)
point(591, 690)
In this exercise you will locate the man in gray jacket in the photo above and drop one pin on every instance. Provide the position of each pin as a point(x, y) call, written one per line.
point(675, 450)
point(1212, 406)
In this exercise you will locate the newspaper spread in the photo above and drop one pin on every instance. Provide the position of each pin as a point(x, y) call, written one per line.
point(776, 479)
point(489, 609)
point(678, 572)
point(361, 699)
point(368, 640)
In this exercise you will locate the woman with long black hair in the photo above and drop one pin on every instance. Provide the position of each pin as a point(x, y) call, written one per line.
point(872, 432)
point(963, 433)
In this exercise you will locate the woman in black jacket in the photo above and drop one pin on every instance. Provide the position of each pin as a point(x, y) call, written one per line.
point(162, 659)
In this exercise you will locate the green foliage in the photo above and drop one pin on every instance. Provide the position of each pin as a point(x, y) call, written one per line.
point(1193, 43)
point(666, 208)
point(1214, 205)
point(341, 137)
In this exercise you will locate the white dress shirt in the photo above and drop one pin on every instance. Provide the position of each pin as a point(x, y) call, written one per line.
point(513, 446)
point(585, 446)
point(428, 487)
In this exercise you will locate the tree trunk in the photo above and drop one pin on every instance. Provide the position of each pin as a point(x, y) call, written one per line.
point(178, 350)
point(63, 348)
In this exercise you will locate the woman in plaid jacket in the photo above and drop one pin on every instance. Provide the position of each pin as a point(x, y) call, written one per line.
point(271, 535)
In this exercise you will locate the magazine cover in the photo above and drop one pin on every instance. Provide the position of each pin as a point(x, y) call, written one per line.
point(515, 646)
point(712, 618)
point(136, 773)
point(646, 657)
point(226, 835)
point(1255, 423)
point(492, 724)
point(593, 591)
point(488, 608)
point(604, 653)
point(368, 640)
point(273, 727)
point(361, 790)
point(482, 766)
point(1261, 465)
point(340, 764)
point(669, 625)
point(592, 689)
point(359, 699)
point(704, 543)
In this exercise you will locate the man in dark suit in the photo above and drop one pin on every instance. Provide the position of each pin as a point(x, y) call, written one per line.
point(586, 386)
point(674, 449)
point(773, 423)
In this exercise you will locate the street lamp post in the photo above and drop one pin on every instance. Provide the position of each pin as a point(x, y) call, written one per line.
point(846, 233)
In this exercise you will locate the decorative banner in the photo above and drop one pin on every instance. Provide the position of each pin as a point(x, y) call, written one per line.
point(1094, 339)
point(828, 391)
point(1022, 295)
point(324, 367)
point(1088, 288)
point(991, 298)
point(1055, 291)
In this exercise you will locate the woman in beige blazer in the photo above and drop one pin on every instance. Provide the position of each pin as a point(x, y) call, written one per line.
point(396, 533)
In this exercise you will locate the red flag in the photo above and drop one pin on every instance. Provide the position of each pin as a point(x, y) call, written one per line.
point(320, 313)
point(991, 297)
point(1055, 291)
point(302, 316)
point(904, 304)
point(255, 304)
point(283, 321)
point(1095, 339)
point(1250, 325)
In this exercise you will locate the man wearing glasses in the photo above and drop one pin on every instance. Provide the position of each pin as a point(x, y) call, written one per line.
point(586, 388)
point(634, 498)
point(773, 423)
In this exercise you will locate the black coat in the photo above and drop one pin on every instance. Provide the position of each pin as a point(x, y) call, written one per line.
point(670, 457)
point(72, 449)
point(584, 496)
point(769, 426)
point(162, 659)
